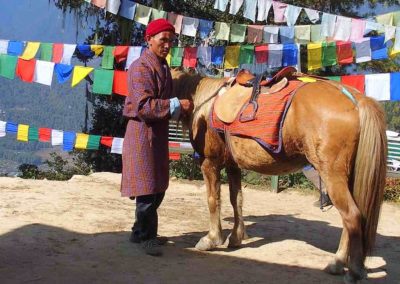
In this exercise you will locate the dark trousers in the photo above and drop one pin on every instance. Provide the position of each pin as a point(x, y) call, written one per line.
point(146, 224)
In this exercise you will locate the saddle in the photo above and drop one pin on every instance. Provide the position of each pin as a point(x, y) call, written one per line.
point(244, 92)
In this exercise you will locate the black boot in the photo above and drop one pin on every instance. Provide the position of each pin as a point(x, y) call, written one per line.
point(323, 200)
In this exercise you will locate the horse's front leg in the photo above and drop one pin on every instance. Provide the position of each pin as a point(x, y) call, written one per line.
point(211, 174)
point(235, 191)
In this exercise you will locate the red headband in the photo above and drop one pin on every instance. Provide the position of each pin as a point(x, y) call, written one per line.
point(158, 26)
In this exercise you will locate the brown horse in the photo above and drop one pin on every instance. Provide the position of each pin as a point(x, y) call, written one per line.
point(345, 141)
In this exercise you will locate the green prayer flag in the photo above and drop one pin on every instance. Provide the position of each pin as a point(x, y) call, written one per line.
point(93, 142)
point(238, 33)
point(8, 63)
point(103, 81)
point(334, 78)
point(329, 54)
point(33, 133)
point(158, 14)
point(246, 54)
point(176, 56)
point(396, 18)
point(108, 58)
point(46, 51)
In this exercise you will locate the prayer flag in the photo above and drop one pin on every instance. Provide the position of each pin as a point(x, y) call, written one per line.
point(261, 53)
point(106, 141)
point(302, 33)
point(68, 140)
point(204, 55)
point(99, 3)
point(142, 14)
point(263, 9)
point(314, 56)
point(286, 34)
point(378, 48)
point(3, 46)
point(8, 64)
point(2, 128)
point(26, 69)
point(217, 55)
point(30, 50)
point(222, 31)
point(120, 53)
point(342, 28)
point(356, 81)
point(108, 58)
point(63, 72)
point(328, 25)
point(334, 78)
point(390, 32)
point(190, 57)
point(396, 18)
point(235, 6)
point(127, 9)
point(271, 34)
point(177, 55)
point(57, 52)
point(316, 35)
point(291, 14)
point(69, 50)
point(93, 142)
point(22, 133)
point(290, 53)
point(275, 53)
point(43, 72)
point(363, 50)
point(344, 52)
point(357, 29)
point(385, 19)
point(313, 15)
point(15, 48)
point(117, 145)
point(232, 56)
point(176, 21)
point(250, 7)
point(377, 86)
point(79, 73)
point(133, 54)
point(81, 141)
point(112, 6)
point(158, 14)
point(46, 51)
point(189, 26)
point(33, 133)
point(255, 33)
point(120, 83)
point(85, 50)
point(221, 5)
point(238, 32)
point(11, 127)
point(329, 54)
point(44, 134)
point(279, 11)
point(246, 54)
point(97, 49)
point(103, 81)
point(205, 28)
point(395, 86)
point(57, 137)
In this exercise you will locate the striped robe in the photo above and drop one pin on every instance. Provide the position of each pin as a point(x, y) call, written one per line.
point(145, 168)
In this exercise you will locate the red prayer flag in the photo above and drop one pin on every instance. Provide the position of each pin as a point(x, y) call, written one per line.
point(120, 53)
point(344, 52)
point(120, 83)
point(356, 81)
point(190, 57)
point(58, 49)
point(106, 141)
point(44, 134)
point(25, 69)
point(174, 156)
point(261, 53)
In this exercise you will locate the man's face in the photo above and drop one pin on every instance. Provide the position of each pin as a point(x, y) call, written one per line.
point(161, 43)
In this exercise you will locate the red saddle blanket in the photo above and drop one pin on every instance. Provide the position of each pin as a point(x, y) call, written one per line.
point(266, 128)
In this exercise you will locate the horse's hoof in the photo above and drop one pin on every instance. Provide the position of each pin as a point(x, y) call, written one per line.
point(234, 242)
point(205, 244)
point(335, 268)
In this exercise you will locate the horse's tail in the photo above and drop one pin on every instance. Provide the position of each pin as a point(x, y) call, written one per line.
point(370, 169)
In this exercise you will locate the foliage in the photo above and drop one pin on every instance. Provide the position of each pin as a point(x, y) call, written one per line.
point(29, 171)
point(185, 168)
point(392, 190)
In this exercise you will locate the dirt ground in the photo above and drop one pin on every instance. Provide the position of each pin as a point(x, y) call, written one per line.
point(77, 232)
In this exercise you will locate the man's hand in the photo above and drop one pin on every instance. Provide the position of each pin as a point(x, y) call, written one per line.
point(186, 107)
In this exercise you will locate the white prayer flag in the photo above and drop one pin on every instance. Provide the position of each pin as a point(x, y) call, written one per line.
point(235, 6)
point(263, 9)
point(342, 28)
point(271, 34)
point(377, 86)
point(57, 137)
point(328, 25)
point(250, 7)
point(133, 54)
point(112, 6)
point(221, 5)
point(43, 72)
point(313, 15)
point(390, 32)
point(116, 146)
point(291, 14)
point(69, 50)
point(275, 53)
point(189, 26)
point(3, 125)
point(3, 46)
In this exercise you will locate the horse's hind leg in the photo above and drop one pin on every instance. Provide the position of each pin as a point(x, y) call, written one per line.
point(336, 266)
point(211, 174)
point(235, 190)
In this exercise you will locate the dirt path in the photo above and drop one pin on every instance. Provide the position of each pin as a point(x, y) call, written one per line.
point(77, 232)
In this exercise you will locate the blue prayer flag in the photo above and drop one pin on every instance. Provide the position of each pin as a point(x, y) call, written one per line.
point(15, 48)
point(286, 34)
point(11, 127)
point(85, 50)
point(378, 48)
point(289, 55)
point(127, 9)
point(63, 72)
point(217, 55)
point(395, 86)
point(68, 140)
point(205, 27)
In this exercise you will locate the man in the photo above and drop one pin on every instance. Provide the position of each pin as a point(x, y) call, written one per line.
point(149, 106)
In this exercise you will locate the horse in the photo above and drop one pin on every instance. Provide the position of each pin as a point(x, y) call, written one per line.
point(344, 140)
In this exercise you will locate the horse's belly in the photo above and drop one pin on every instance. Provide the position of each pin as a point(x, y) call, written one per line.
point(250, 155)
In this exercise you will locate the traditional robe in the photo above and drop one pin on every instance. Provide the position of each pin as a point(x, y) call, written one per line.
point(145, 168)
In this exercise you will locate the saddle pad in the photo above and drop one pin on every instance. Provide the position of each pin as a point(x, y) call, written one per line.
point(228, 105)
point(266, 128)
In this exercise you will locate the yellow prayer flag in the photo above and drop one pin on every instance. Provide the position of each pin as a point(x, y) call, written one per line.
point(97, 49)
point(394, 53)
point(81, 141)
point(22, 134)
point(30, 50)
point(314, 52)
point(385, 19)
point(307, 79)
point(232, 56)
point(79, 73)
point(168, 58)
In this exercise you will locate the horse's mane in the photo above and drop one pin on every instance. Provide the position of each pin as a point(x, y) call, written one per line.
point(202, 90)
